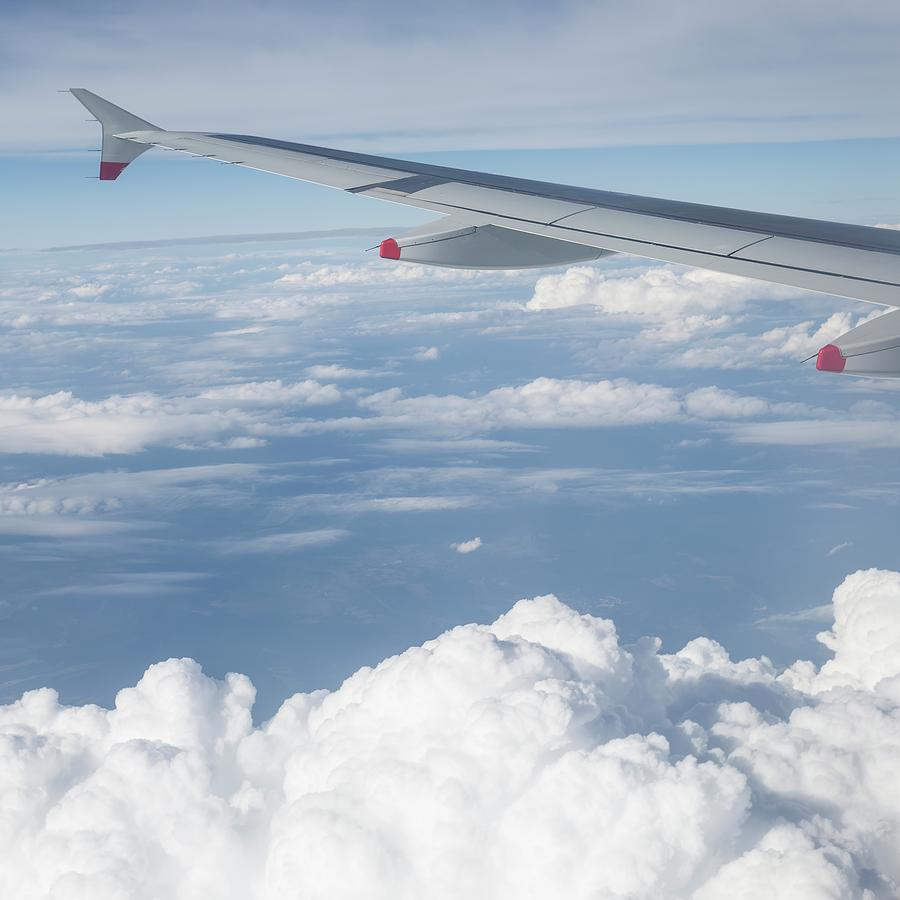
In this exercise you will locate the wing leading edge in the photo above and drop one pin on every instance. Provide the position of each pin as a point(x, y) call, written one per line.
point(847, 260)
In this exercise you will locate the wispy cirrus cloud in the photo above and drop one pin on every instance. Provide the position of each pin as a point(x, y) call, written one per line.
point(759, 96)
point(117, 502)
point(832, 433)
point(286, 541)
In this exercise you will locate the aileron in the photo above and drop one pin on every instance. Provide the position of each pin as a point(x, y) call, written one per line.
point(699, 236)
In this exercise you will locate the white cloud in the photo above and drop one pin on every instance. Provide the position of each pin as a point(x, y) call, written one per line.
point(865, 637)
point(786, 864)
point(805, 338)
point(287, 541)
point(98, 503)
point(129, 584)
point(55, 527)
point(407, 504)
point(62, 423)
point(108, 491)
point(575, 484)
point(816, 432)
point(791, 343)
point(676, 305)
point(89, 291)
point(480, 446)
point(349, 275)
point(661, 293)
point(542, 403)
point(469, 546)
point(844, 545)
point(275, 393)
point(427, 354)
point(559, 403)
point(682, 328)
point(267, 307)
point(237, 443)
point(818, 614)
point(244, 415)
point(536, 756)
point(240, 332)
point(673, 305)
point(337, 373)
point(715, 403)
point(360, 503)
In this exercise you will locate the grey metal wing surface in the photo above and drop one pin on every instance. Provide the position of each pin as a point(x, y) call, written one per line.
point(557, 223)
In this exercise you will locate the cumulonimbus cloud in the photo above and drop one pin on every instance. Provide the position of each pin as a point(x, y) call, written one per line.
point(536, 757)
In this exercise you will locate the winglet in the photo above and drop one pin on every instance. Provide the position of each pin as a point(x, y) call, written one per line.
point(117, 152)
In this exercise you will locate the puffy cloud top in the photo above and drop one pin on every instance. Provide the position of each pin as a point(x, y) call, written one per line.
point(534, 757)
point(866, 633)
point(660, 292)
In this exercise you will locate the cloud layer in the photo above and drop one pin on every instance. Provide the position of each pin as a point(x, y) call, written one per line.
point(537, 757)
point(244, 415)
point(621, 70)
point(61, 423)
point(217, 391)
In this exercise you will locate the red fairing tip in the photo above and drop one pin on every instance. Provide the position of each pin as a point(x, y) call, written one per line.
point(389, 249)
point(830, 359)
point(110, 171)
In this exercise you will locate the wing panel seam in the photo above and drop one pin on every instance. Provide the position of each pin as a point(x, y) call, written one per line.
point(752, 244)
point(755, 262)
point(617, 237)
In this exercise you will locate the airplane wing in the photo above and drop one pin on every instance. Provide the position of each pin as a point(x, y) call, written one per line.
point(494, 221)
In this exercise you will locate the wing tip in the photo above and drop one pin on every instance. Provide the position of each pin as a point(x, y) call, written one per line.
point(110, 171)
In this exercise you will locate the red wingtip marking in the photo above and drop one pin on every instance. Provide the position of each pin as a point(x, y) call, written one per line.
point(830, 359)
point(110, 171)
point(389, 249)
